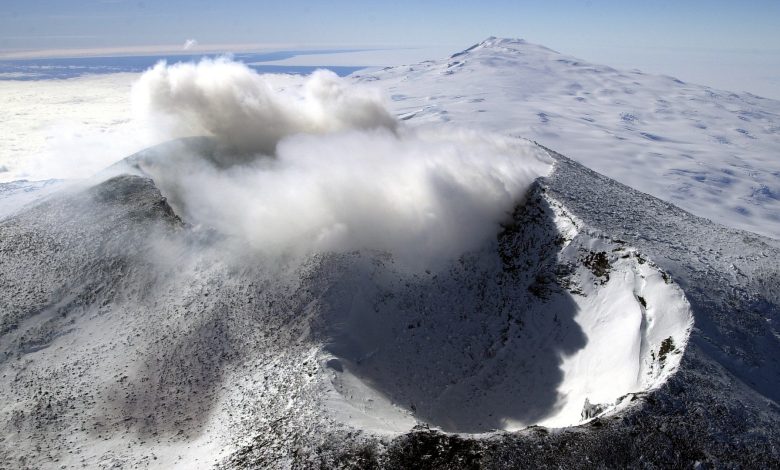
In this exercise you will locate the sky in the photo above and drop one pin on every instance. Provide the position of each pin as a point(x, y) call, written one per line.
point(694, 39)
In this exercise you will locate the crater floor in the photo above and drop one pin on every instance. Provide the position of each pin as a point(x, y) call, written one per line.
point(552, 326)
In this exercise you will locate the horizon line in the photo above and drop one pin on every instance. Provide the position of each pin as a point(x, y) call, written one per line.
point(179, 49)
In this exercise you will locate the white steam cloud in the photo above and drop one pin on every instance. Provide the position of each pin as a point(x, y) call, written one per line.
point(250, 113)
point(318, 164)
point(189, 44)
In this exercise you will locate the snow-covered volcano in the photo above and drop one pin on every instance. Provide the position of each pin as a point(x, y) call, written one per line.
point(149, 332)
point(571, 318)
point(709, 151)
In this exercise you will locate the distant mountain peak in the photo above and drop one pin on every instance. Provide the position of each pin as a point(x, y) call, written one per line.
point(493, 42)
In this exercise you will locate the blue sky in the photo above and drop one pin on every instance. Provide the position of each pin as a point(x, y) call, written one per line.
point(685, 38)
point(109, 23)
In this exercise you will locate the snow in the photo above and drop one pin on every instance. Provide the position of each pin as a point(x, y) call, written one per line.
point(18, 195)
point(610, 350)
point(624, 333)
point(149, 342)
point(711, 152)
point(130, 338)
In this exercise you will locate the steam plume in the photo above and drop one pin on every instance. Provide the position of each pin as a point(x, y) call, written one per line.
point(318, 164)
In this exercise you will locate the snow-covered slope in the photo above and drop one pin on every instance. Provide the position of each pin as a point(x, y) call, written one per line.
point(595, 325)
point(16, 195)
point(711, 152)
point(130, 339)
